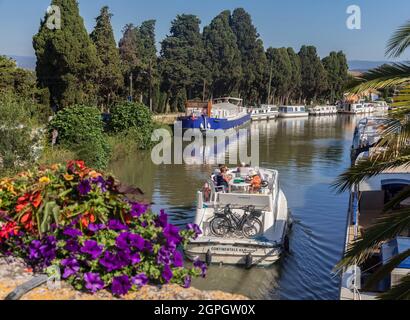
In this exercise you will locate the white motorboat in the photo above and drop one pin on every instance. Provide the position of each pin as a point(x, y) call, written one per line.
point(357, 108)
point(323, 110)
point(366, 204)
point(241, 227)
point(381, 106)
point(265, 112)
point(271, 111)
point(292, 112)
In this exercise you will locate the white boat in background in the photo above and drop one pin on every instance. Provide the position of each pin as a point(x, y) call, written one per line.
point(265, 112)
point(258, 114)
point(322, 110)
point(367, 133)
point(241, 227)
point(292, 112)
point(367, 201)
point(381, 106)
point(357, 108)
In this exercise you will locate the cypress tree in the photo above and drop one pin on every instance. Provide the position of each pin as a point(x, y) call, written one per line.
point(110, 78)
point(313, 82)
point(294, 88)
point(254, 62)
point(281, 73)
point(223, 56)
point(67, 62)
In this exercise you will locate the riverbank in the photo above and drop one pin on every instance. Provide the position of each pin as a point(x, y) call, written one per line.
point(169, 118)
point(14, 273)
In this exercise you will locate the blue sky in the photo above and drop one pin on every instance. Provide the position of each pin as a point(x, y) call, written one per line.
point(280, 23)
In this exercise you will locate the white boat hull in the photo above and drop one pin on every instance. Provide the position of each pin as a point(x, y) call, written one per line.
point(232, 253)
point(293, 115)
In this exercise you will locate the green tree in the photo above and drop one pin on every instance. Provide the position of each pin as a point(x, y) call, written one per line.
point(110, 78)
point(67, 62)
point(223, 56)
point(296, 79)
point(337, 74)
point(254, 62)
point(281, 74)
point(313, 82)
point(182, 61)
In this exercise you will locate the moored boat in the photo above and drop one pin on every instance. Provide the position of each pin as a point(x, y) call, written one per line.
point(265, 112)
point(367, 133)
point(241, 227)
point(366, 207)
point(292, 112)
point(322, 110)
point(220, 114)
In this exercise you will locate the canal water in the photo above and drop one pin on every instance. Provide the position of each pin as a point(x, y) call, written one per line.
point(309, 154)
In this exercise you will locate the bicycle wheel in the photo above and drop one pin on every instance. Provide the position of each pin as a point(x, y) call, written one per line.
point(220, 226)
point(252, 227)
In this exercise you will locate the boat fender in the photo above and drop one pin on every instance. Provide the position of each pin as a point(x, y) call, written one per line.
point(209, 125)
point(286, 244)
point(202, 126)
point(248, 261)
point(208, 257)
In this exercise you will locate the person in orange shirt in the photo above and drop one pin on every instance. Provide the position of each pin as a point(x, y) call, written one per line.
point(255, 181)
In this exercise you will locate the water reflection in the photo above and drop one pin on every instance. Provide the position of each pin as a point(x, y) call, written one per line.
point(309, 154)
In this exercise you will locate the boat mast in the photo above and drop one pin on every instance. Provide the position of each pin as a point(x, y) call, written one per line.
point(270, 80)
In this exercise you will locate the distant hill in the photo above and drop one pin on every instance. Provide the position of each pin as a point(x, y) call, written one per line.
point(25, 62)
point(364, 65)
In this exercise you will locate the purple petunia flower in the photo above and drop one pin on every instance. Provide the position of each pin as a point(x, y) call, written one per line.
point(167, 274)
point(138, 209)
point(34, 250)
point(116, 225)
point(187, 282)
point(71, 267)
point(111, 261)
point(171, 234)
point(164, 256)
point(140, 280)
point(92, 248)
point(178, 259)
point(73, 233)
point(101, 183)
point(93, 282)
point(72, 245)
point(84, 187)
point(202, 266)
point(121, 285)
point(162, 219)
point(94, 227)
point(134, 258)
point(195, 228)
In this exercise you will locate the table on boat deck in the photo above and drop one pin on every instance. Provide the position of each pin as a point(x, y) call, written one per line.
point(242, 186)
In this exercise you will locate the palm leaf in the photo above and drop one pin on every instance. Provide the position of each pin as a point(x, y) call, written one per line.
point(386, 269)
point(399, 42)
point(368, 168)
point(386, 228)
point(388, 75)
point(399, 292)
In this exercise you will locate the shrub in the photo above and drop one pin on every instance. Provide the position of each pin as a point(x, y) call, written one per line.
point(80, 128)
point(133, 120)
point(18, 137)
point(78, 220)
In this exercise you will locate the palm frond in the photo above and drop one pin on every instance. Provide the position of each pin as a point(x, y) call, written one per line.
point(388, 75)
point(369, 168)
point(386, 269)
point(399, 42)
point(399, 292)
point(386, 228)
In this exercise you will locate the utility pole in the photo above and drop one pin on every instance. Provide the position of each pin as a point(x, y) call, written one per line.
point(203, 91)
point(130, 87)
point(150, 84)
point(270, 80)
